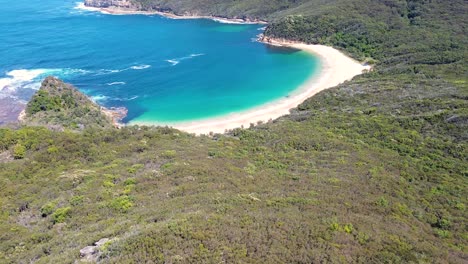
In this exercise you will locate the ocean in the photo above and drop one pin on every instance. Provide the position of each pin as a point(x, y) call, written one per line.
point(162, 70)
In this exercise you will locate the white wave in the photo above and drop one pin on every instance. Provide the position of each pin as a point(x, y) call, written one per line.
point(262, 28)
point(140, 67)
point(126, 99)
point(32, 86)
point(69, 71)
point(111, 71)
point(31, 79)
point(116, 83)
point(21, 78)
point(99, 98)
point(82, 7)
point(173, 62)
point(107, 71)
point(176, 61)
point(26, 75)
point(196, 55)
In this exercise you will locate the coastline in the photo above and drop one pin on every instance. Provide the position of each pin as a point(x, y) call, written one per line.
point(336, 68)
point(130, 11)
point(115, 114)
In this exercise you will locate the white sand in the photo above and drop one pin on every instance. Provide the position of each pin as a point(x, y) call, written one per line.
point(336, 68)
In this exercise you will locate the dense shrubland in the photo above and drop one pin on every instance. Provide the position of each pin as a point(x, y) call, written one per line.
point(349, 176)
point(372, 171)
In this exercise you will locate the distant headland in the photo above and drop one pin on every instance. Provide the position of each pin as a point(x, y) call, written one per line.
point(124, 7)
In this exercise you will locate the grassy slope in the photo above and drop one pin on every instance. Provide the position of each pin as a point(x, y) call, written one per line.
point(371, 171)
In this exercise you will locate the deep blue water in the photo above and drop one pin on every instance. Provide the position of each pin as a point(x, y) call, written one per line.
point(162, 70)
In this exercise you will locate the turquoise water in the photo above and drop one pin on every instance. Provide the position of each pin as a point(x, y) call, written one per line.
point(162, 70)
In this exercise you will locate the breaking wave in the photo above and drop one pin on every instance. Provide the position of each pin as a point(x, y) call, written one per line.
point(111, 71)
point(176, 61)
point(116, 83)
point(31, 79)
point(140, 67)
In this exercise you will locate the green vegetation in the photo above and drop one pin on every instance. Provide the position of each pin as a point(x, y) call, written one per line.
point(19, 151)
point(61, 214)
point(331, 181)
point(395, 33)
point(372, 171)
point(57, 104)
point(252, 9)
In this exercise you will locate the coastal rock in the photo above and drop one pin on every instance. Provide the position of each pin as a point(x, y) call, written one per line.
point(116, 114)
point(275, 41)
point(10, 109)
point(124, 4)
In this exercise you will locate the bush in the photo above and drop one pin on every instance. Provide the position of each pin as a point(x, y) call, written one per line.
point(19, 151)
point(348, 228)
point(382, 202)
point(47, 209)
point(76, 200)
point(122, 203)
point(61, 214)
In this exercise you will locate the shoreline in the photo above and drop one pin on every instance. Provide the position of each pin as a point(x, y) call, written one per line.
point(129, 11)
point(336, 68)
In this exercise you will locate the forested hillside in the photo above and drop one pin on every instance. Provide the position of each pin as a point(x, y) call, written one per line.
point(372, 171)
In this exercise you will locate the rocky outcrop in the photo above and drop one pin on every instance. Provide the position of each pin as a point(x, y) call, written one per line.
point(116, 114)
point(10, 109)
point(92, 253)
point(58, 105)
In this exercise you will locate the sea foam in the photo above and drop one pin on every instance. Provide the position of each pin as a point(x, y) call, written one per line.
point(99, 98)
point(140, 67)
point(24, 79)
point(176, 61)
point(111, 71)
point(31, 79)
point(116, 83)
point(82, 7)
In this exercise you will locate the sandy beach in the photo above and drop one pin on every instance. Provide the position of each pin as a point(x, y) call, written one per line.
point(336, 68)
